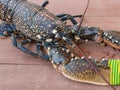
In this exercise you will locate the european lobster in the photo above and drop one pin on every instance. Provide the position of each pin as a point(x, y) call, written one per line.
point(54, 39)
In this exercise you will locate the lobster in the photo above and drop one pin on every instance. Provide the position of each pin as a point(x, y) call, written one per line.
point(55, 40)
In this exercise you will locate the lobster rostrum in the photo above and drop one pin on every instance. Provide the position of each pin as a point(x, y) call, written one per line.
point(32, 23)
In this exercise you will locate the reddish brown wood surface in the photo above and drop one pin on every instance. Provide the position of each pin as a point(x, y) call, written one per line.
point(19, 71)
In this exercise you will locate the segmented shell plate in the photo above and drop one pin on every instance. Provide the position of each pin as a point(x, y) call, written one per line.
point(35, 21)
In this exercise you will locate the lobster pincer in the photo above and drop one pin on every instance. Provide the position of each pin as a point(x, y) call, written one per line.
point(104, 37)
point(78, 69)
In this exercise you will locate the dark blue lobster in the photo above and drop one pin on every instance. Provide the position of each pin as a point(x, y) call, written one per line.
point(55, 40)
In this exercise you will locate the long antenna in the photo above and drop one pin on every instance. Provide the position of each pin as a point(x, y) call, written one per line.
point(83, 15)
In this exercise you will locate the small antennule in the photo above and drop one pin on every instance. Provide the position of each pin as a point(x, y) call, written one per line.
point(45, 3)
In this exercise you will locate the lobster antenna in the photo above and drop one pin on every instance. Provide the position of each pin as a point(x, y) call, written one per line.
point(79, 26)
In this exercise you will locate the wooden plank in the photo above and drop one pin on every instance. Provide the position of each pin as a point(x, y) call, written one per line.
point(104, 8)
point(39, 77)
point(105, 23)
point(108, 8)
point(64, 6)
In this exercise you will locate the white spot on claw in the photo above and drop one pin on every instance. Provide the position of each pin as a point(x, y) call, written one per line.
point(54, 31)
point(88, 26)
point(63, 49)
point(52, 62)
point(82, 57)
point(77, 37)
point(64, 38)
point(76, 58)
point(86, 40)
point(89, 57)
point(110, 37)
point(72, 59)
point(48, 48)
point(38, 36)
point(116, 41)
point(67, 50)
point(72, 55)
point(103, 59)
point(49, 40)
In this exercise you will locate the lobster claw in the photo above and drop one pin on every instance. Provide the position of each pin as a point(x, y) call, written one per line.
point(108, 37)
point(111, 38)
point(78, 69)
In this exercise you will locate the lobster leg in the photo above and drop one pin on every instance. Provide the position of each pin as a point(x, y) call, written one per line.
point(40, 52)
point(6, 29)
point(45, 3)
point(62, 15)
point(19, 46)
point(24, 49)
point(65, 17)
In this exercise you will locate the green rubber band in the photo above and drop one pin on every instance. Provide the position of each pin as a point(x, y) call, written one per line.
point(114, 72)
